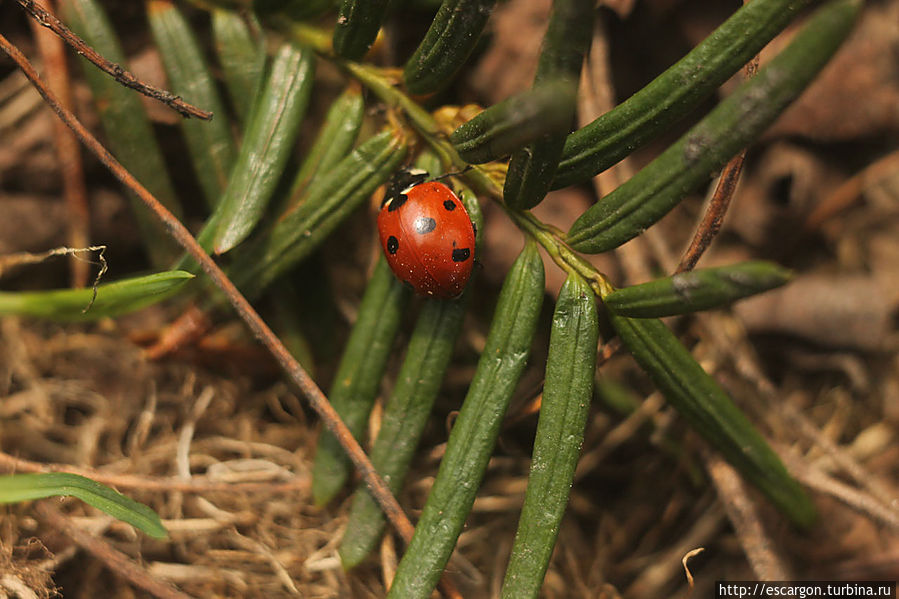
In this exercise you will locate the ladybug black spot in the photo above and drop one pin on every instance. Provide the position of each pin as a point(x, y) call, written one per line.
point(461, 255)
point(396, 202)
point(449, 205)
point(393, 244)
point(424, 224)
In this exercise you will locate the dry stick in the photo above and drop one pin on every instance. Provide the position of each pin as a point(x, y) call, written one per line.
point(11, 261)
point(68, 152)
point(115, 560)
point(743, 514)
point(863, 503)
point(117, 72)
point(719, 203)
point(714, 215)
point(298, 377)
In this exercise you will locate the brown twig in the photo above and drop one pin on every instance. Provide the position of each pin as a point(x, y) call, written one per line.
point(711, 221)
point(68, 151)
point(116, 71)
point(742, 511)
point(297, 377)
point(115, 560)
point(720, 201)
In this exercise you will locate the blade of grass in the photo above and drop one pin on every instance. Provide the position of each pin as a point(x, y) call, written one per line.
point(287, 321)
point(126, 125)
point(242, 58)
point(335, 140)
point(450, 39)
point(733, 124)
point(358, 23)
point(25, 487)
point(567, 40)
point(113, 299)
point(507, 126)
point(359, 375)
point(328, 200)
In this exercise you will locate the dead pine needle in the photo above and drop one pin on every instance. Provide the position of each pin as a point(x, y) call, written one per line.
point(713, 218)
point(116, 561)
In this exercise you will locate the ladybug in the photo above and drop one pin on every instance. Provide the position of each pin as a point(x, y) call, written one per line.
point(426, 234)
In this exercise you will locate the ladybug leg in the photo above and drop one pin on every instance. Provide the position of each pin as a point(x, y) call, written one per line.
point(447, 182)
point(467, 168)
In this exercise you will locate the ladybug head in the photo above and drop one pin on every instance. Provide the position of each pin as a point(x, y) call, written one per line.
point(402, 181)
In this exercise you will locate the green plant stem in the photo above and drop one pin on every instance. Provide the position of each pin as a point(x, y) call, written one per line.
point(564, 257)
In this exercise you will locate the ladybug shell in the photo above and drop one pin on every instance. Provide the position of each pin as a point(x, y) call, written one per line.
point(428, 239)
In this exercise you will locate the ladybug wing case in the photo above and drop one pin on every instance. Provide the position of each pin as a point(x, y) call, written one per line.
point(428, 239)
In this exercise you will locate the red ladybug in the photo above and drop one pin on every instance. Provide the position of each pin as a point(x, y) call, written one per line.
point(427, 235)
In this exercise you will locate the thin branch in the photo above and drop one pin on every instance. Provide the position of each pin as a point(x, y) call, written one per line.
point(719, 203)
point(116, 71)
point(116, 561)
point(861, 501)
point(714, 215)
point(742, 511)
